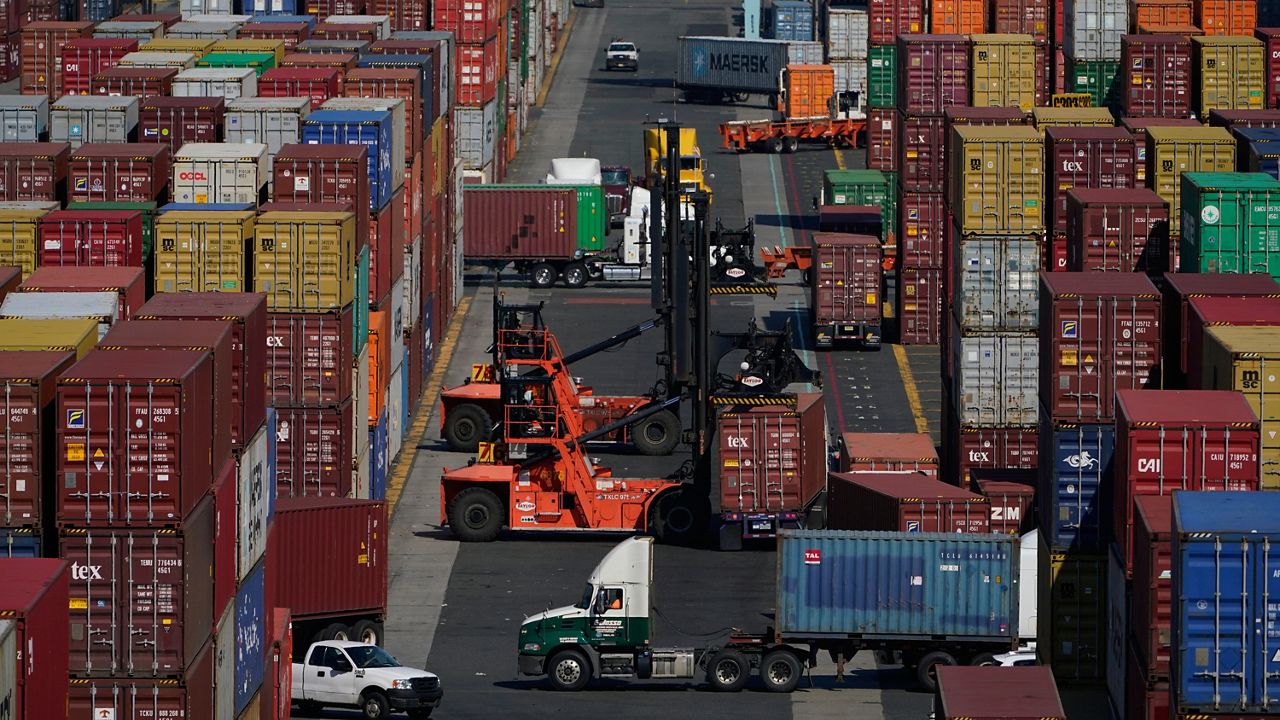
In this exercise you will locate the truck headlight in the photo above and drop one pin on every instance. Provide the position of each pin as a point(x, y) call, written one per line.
point(532, 647)
point(401, 684)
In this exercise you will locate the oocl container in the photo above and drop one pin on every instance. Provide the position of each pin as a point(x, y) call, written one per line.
point(1231, 223)
point(1152, 604)
point(1217, 312)
point(77, 336)
point(96, 238)
point(305, 261)
point(371, 128)
point(226, 83)
point(1244, 359)
point(974, 693)
point(94, 118)
point(1170, 440)
point(1179, 289)
point(994, 283)
point(997, 180)
point(1093, 28)
point(119, 171)
point(275, 122)
point(1173, 151)
point(219, 173)
point(1005, 68)
point(318, 84)
point(23, 118)
point(1116, 230)
point(28, 381)
point(181, 120)
point(82, 58)
point(128, 283)
point(888, 452)
point(903, 502)
point(1231, 73)
point(136, 81)
point(33, 601)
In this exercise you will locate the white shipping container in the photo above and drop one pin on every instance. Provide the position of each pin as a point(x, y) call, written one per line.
point(848, 33)
point(361, 473)
point(395, 412)
point(219, 172)
point(398, 125)
point(997, 378)
point(1093, 28)
point(275, 122)
point(804, 52)
point(79, 119)
point(224, 665)
point(997, 283)
point(382, 21)
point(412, 281)
point(155, 59)
point(228, 83)
point(217, 16)
point(851, 76)
point(399, 318)
point(101, 306)
point(1028, 585)
point(23, 118)
point(476, 130)
point(203, 30)
point(255, 478)
point(360, 423)
point(141, 31)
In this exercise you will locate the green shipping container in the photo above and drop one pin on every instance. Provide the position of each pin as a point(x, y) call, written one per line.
point(360, 316)
point(865, 187)
point(259, 61)
point(882, 76)
point(1101, 79)
point(1230, 223)
point(148, 221)
point(593, 217)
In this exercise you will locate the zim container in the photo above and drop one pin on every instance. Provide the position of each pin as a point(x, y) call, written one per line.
point(887, 452)
point(1230, 223)
point(119, 172)
point(126, 282)
point(845, 290)
point(219, 173)
point(933, 73)
point(1244, 359)
point(997, 179)
point(1012, 501)
point(33, 603)
point(203, 250)
point(1179, 289)
point(1116, 231)
point(977, 693)
point(903, 502)
point(28, 381)
point(95, 238)
point(181, 120)
point(335, 543)
point(773, 459)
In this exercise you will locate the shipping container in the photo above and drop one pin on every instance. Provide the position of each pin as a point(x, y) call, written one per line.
point(373, 129)
point(258, 62)
point(845, 289)
point(394, 83)
point(1116, 231)
point(249, 46)
point(1240, 359)
point(82, 58)
point(308, 354)
point(922, 223)
point(982, 693)
point(224, 82)
point(1005, 194)
point(1152, 604)
point(160, 59)
point(1005, 68)
point(255, 505)
point(1243, 119)
point(903, 502)
point(126, 282)
point(1073, 602)
point(963, 17)
point(995, 378)
point(919, 302)
point(1082, 158)
point(1217, 312)
point(10, 279)
point(1230, 74)
point(306, 261)
point(352, 48)
point(318, 84)
point(181, 120)
point(1227, 17)
point(23, 118)
point(398, 148)
point(386, 244)
point(224, 499)
point(219, 172)
point(28, 380)
point(96, 238)
point(250, 634)
point(1161, 12)
point(190, 697)
point(864, 187)
point(94, 118)
point(890, 18)
point(195, 47)
point(887, 452)
point(790, 20)
point(203, 250)
point(807, 91)
point(73, 335)
point(340, 61)
point(847, 33)
point(275, 122)
point(1179, 289)
point(208, 30)
point(1075, 469)
point(994, 283)
point(119, 172)
point(1093, 28)
point(734, 63)
point(288, 33)
point(470, 22)
point(475, 131)
point(1270, 37)
point(314, 451)
point(1173, 151)
point(520, 223)
point(1012, 502)
point(33, 602)
point(1230, 223)
point(42, 42)
point(1029, 17)
point(136, 81)
point(1100, 79)
point(882, 74)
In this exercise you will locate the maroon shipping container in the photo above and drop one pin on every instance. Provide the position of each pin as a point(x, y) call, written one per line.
point(82, 58)
point(442, 70)
point(289, 33)
point(1270, 38)
point(404, 14)
point(1155, 75)
point(921, 229)
point(248, 315)
point(1151, 618)
point(1178, 289)
point(10, 279)
point(211, 337)
point(33, 171)
point(933, 73)
point(166, 19)
point(180, 120)
point(134, 437)
point(128, 172)
point(1086, 157)
point(1170, 440)
point(469, 21)
point(890, 18)
point(142, 82)
point(309, 357)
point(333, 543)
point(1026, 17)
point(903, 502)
point(519, 223)
point(363, 32)
point(322, 9)
point(386, 247)
point(141, 599)
point(189, 699)
point(34, 595)
point(127, 282)
point(920, 315)
point(1117, 231)
point(314, 454)
point(10, 56)
point(42, 43)
point(965, 693)
point(882, 139)
point(1011, 502)
point(1255, 118)
point(321, 173)
point(998, 448)
point(773, 460)
point(392, 83)
point(317, 83)
point(28, 383)
point(1150, 700)
point(922, 142)
point(476, 73)
point(94, 238)
point(845, 288)
point(888, 452)
point(1223, 311)
point(226, 531)
point(342, 62)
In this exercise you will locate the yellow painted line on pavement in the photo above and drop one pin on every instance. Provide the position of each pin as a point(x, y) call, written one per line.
point(909, 384)
point(839, 158)
point(555, 59)
point(426, 403)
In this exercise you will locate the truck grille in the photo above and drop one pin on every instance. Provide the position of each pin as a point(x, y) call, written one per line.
point(614, 203)
point(425, 684)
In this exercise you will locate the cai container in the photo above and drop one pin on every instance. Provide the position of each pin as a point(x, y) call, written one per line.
point(903, 502)
point(136, 172)
point(772, 459)
point(33, 636)
point(93, 118)
point(1116, 231)
point(1179, 289)
point(28, 381)
point(887, 452)
point(181, 120)
point(82, 58)
point(334, 543)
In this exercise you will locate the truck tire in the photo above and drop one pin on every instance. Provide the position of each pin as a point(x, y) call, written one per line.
point(576, 276)
point(790, 144)
point(543, 275)
point(985, 659)
point(728, 671)
point(367, 632)
point(476, 515)
point(374, 705)
point(774, 145)
point(657, 434)
point(927, 669)
point(569, 670)
point(679, 517)
point(466, 426)
point(780, 671)
point(332, 631)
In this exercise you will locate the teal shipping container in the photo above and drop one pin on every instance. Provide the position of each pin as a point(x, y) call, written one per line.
point(1230, 223)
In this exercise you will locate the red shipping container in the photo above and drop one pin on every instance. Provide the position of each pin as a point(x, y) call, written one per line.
point(321, 173)
point(443, 69)
point(1231, 119)
point(416, 194)
point(10, 279)
point(890, 18)
point(922, 142)
point(127, 282)
point(180, 120)
point(141, 82)
point(1270, 38)
point(882, 139)
point(1085, 157)
point(363, 32)
point(772, 460)
point(166, 19)
point(33, 171)
point(42, 43)
point(135, 437)
point(278, 678)
point(1011, 502)
point(28, 382)
point(888, 452)
point(34, 595)
point(1100, 333)
point(1151, 618)
point(1227, 17)
point(920, 316)
point(225, 535)
point(317, 83)
point(1179, 289)
point(289, 33)
point(141, 599)
point(470, 21)
point(933, 73)
point(1223, 311)
point(998, 448)
point(1170, 440)
point(903, 502)
point(191, 699)
point(82, 58)
point(333, 543)
point(127, 172)
point(10, 56)
point(386, 247)
point(392, 83)
point(1026, 17)
point(404, 14)
point(1150, 700)
point(322, 9)
point(248, 314)
point(309, 357)
point(477, 77)
point(845, 288)
point(342, 62)
point(94, 238)
point(921, 229)
point(1155, 75)
point(1117, 231)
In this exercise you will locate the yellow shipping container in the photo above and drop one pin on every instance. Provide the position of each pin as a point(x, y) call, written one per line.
point(1172, 151)
point(186, 45)
point(77, 335)
point(997, 179)
point(19, 222)
point(305, 260)
point(1047, 117)
point(1231, 74)
point(1004, 71)
point(1072, 609)
point(250, 45)
point(1247, 359)
point(203, 250)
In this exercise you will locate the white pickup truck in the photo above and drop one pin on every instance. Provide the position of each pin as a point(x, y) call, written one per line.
point(341, 673)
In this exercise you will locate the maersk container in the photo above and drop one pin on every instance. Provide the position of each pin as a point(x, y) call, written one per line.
point(353, 127)
point(935, 585)
point(1226, 548)
point(79, 119)
point(1075, 467)
point(996, 283)
point(730, 64)
point(1230, 223)
point(23, 118)
point(1093, 28)
point(996, 378)
point(33, 640)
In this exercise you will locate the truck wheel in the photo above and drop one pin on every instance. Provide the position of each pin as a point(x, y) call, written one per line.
point(657, 434)
point(679, 517)
point(543, 275)
point(983, 660)
point(780, 671)
point(790, 144)
point(927, 669)
point(374, 705)
point(728, 671)
point(476, 515)
point(466, 426)
point(569, 670)
point(333, 631)
point(367, 632)
point(773, 145)
point(576, 276)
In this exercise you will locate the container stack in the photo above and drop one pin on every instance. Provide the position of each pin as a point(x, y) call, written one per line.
point(1091, 45)
point(478, 119)
point(846, 31)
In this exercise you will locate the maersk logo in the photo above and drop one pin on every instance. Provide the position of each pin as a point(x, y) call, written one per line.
point(734, 62)
point(700, 61)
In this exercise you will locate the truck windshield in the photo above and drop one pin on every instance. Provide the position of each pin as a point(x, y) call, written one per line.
point(587, 593)
point(622, 47)
point(613, 177)
point(371, 656)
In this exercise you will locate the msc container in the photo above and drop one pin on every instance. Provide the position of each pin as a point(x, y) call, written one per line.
point(520, 223)
point(82, 58)
point(1012, 501)
point(982, 693)
point(1152, 603)
point(308, 357)
point(1156, 75)
point(1116, 230)
point(181, 120)
point(997, 180)
point(1173, 151)
point(27, 382)
point(847, 32)
point(23, 118)
point(1179, 289)
point(226, 83)
point(1072, 601)
point(1101, 333)
point(994, 283)
point(933, 73)
point(1244, 359)
point(1004, 71)
point(145, 608)
point(160, 59)
point(19, 235)
point(275, 122)
point(1231, 73)
point(318, 84)
point(1224, 585)
point(995, 379)
point(1086, 158)
point(887, 452)
point(219, 173)
point(33, 603)
point(1093, 28)
point(97, 238)
point(1219, 312)
point(128, 283)
point(1170, 440)
point(726, 63)
point(306, 260)
point(94, 118)
point(903, 502)
point(203, 250)
point(136, 81)
point(371, 128)
point(1230, 223)
point(905, 589)
point(119, 172)
point(1075, 468)
point(846, 289)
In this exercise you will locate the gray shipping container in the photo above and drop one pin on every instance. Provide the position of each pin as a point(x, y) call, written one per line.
point(731, 64)
point(800, 52)
point(23, 118)
point(203, 30)
point(445, 100)
point(848, 33)
point(78, 119)
point(851, 76)
point(996, 379)
point(997, 283)
point(1093, 28)
point(228, 83)
point(224, 666)
point(141, 31)
point(274, 121)
point(476, 129)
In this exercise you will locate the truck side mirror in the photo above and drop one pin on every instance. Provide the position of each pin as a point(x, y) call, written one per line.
point(599, 607)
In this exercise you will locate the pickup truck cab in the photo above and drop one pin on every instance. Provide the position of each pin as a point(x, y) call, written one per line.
point(342, 673)
point(622, 55)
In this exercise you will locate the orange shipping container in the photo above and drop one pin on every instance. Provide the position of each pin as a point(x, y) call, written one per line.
point(380, 343)
point(1161, 12)
point(807, 91)
point(958, 17)
point(1156, 29)
point(1227, 17)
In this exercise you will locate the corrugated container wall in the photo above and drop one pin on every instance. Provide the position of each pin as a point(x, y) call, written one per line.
point(1093, 28)
point(888, 452)
point(1230, 223)
point(28, 381)
point(773, 459)
point(1179, 290)
point(1173, 151)
point(933, 73)
point(514, 223)
point(995, 283)
point(1005, 70)
point(997, 179)
point(996, 378)
point(903, 502)
point(1116, 231)
point(847, 33)
point(334, 543)
point(1156, 76)
point(1245, 359)
point(1231, 74)
point(965, 693)
point(33, 602)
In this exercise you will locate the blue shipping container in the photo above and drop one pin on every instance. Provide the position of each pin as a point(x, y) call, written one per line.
point(378, 459)
point(19, 543)
point(751, 19)
point(899, 584)
point(427, 318)
point(1075, 472)
point(274, 8)
point(792, 20)
point(1258, 150)
point(424, 64)
point(251, 633)
point(357, 127)
point(1226, 602)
